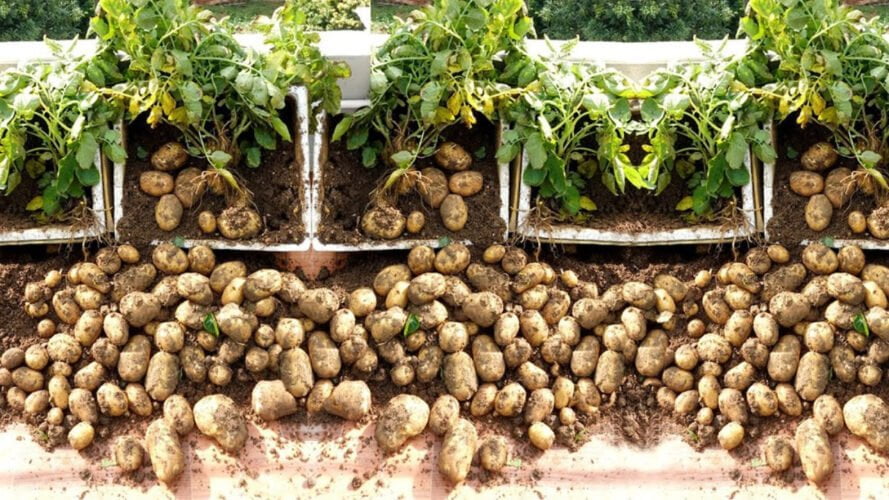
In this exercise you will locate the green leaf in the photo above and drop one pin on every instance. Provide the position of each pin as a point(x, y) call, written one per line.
point(254, 157)
point(859, 323)
point(515, 462)
point(737, 151)
point(534, 177)
point(342, 127)
point(141, 153)
point(368, 156)
point(411, 325)
point(444, 241)
point(210, 325)
point(536, 151)
point(220, 159)
point(792, 154)
point(35, 204)
point(86, 152)
point(870, 159)
point(281, 128)
point(89, 176)
point(480, 153)
point(738, 176)
point(403, 159)
point(827, 241)
point(265, 138)
point(179, 242)
point(357, 139)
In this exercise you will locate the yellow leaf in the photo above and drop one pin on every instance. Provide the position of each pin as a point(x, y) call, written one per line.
point(817, 103)
point(134, 107)
point(468, 116)
point(829, 115)
point(455, 102)
point(685, 204)
point(784, 106)
point(587, 204)
point(155, 116)
point(443, 115)
point(35, 204)
point(168, 103)
point(179, 115)
point(804, 115)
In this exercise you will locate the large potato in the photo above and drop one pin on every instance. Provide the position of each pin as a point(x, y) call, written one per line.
point(128, 453)
point(139, 308)
point(178, 414)
point(778, 453)
point(784, 359)
point(457, 451)
point(239, 223)
point(819, 157)
point(806, 184)
point(325, 355)
point(218, 417)
point(829, 414)
point(404, 417)
point(589, 312)
point(319, 304)
point(483, 308)
point(459, 375)
point(349, 400)
point(867, 416)
point(444, 414)
point(162, 376)
point(789, 308)
point(819, 212)
point(454, 212)
point(452, 259)
point(610, 371)
point(815, 454)
point(295, 370)
point(164, 451)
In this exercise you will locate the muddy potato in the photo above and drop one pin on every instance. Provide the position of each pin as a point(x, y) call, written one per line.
point(586, 397)
point(15, 399)
point(816, 291)
point(851, 260)
point(828, 413)
point(686, 402)
point(87, 298)
point(65, 306)
point(819, 212)
point(483, 308)
point(841, 315)
point(534, 298)
point(239, 223)
point(844, 363)
point(778, 453)
point(737, 298)
point(236, 323)
point(138, 400)
point(839, 186)
point(193, 363)
point(134, 359)
point(178, 414)
point(385, 325)
point(539, 406)
point(738, 327)
point(789, 308)
point(788, 400)
point(857, 222)
point(466, 183)
point(46, 328)
point(162, 376)
point(319, 304)
point(234, 292)
point(589, 312)
point(713, 347)
point(59, 390)
point(155, 183)
point(189, 187)
point(224, 273)
point(128, 453)
point(677, 379)
point(806, 183)
point(533, 327)
point(867, 416)
point(869, 374)
point(82, 405)
point(666, 398)
point(454, 212)
point(877, 320)
point(90, 377)
point(610, 372)
point(207, 222)
point(169, 157)
point(168, 213)
point(218, 417)
point(819, 157)
point(88, 327)
point(36, 357)
point(452, 259)
point(295, 370)
point(733, 406)
point(709, 389)
point(696, 328)
point(81, 435)
point(404, 417)
point(820, 259)
point(319, 394)
point(731, 436)
point(37, 402)
point(819, 337)
point(846, 288)
point(813, 446)
point(716, 308)
point(762, 400)
point(459, 375)
point(324, 355)
point(349, 400)
point(112, 400)
point(426, 288)
point(651, 357)
point(756, 353)
point(878, 223)
point(164, 451)
point(638, 294)
point(457, 451)
point(541, 436)
point(784, 359)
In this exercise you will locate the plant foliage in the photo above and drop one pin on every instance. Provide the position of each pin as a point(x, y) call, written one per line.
point(36, 19)
point(328, 15)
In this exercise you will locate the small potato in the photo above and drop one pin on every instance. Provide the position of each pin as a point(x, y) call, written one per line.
point(164, 451)
point(207, 222)
point(762, 400)
point(716, 308)
point(452, 259)
point(738, 327)
point(610, 371)
point(784, 359)
point(778, 453)
point(454, 212)
point(224, 273)
point(467, 183)
point(315, 402)
point(731, 436)
point(169, 259)
point(539, 406)
point(586, 397)
point(778, 254)
point(190, 187)
point(815, 454)
point(444, 414)
point(154, 183)
point(178, 414)
point(541, 436)
point(846, 288)
point(385, 223)
point(589, 312)
point(239, 223)
point(651, 357)
point(415, 223)
point(788, 400)
point(236, 323)
point(81, 435)
point(162, 376)
point(362, 302)
point(733, 406)
point(168, 212)
point(789, 308)
point(66, 307)
point(851, 260)
point(218, 417)
point(82, 405)
point(128, 453)
point(459, 375)
point(483, 308)
point(112, 400)
point(404, 417)
point(493, 453)
point(713, 347)
point(829, 414)
point(349, 400)
point(819, 337)
point(319, 304)
point(806, 183)
point(510, 400)
point(819, 212)
point(839, 186)
point(170, 156)
point(138, 400)
point(812, 375)
point(324, 355)
point(857, 222)
point(819, 157)
point(451, 156)
point(457, 451)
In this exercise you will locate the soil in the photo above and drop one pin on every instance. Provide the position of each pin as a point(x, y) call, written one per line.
point(275, 187)
point(346, 187)
point(788, 223)
point(14, 216)
point(638, 211)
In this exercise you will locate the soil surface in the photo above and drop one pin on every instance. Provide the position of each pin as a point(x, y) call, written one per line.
point(275, 187)
point(346, 186)
point(15, 216)
point(788, 223)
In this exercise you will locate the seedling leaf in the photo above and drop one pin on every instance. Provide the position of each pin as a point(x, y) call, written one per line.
point(411, 325)
point(210, 325)
point(860, 324)
point(179, 241)
point(444, 241)
point(828, 241)
point(515, 462)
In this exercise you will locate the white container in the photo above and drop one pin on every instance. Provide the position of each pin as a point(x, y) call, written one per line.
point(64, 234)
point(575, 234)
point(768, 180)
point(301, 142)
point(319, 158)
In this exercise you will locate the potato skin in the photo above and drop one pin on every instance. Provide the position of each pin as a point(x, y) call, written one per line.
point(815, 454)
point(164, 451)
point(350, 400)
point(218, 417)
point(404, 417)
point(459, 375)
point(162, 376)
point(128, 453)
point(867, 416)
point(457, 451)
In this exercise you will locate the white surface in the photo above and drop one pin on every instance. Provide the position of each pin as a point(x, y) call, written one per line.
point(57, 233)
point(301, 97)
point(319, 139)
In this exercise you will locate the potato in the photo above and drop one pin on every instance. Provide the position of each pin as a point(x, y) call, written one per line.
point(713, 347)
point(66, 307)
point(532, 376)
point(828, 413)
point(589, 312)
point(731, 436)
point(454, 212)
point(319, 304)
point(815, 454)
point(493, 453)
point(819, 337)
point(541, 436)
point(651, 357)
point(839, 187)
point(164, 451)
point(193, 363)
point(457, 451)
point(489, 363)
point(869, 374)
point(789, 308)
point(404, 417)
point(320, 392)
point(82, 405)
point(819, 212)
point(639, 295)
point(81, 435)
point(844, 364)
point(686, 402)
point(778, 453)
point(224, 273)
point(90, 377)
point(510, 400)
point(610, 371)
point(207, 222)
point(112, 400)
point(445, 413)
point(806, 183)
point(533, 327)
point(239, 223)
point(539, 406)
point(324, 355)
point(433, 186)
point(466, 183)
point(819, 157)
point(762, 400)
point(178, 414)
point(168, 212)
point(170, 337)
point(451, 156)
point(878, 223)
point(349, 400)
point(46, 328)
point(459, 375)
point(867, 416)
point(236, 323)
point(666, 398)
point(421, 259)
point(426, 288)
point(385, 223)
point(155, 183)
point(784, 359)
point(38, 402)
point(190, 187)
point(709, 389)
point(841, 315)
point(740, 376)
point(738, 327)
point(732, 405)
point(878, 322)
point(816, 291)
point(138, 400)
point(295, 370)
point(716, 308)
point(27, 379)
point(218, 417)
point(452, 259)
point(483, 308)
point(851, 260)
point(878, 274)
point(169, 157)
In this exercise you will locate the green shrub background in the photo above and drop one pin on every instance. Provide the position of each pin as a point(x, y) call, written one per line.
point(34, 19)
point(636, 20)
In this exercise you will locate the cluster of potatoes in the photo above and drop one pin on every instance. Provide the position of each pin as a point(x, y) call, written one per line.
point(830, 189)
point(508, 338)
point(440, 192)
point(185, 191)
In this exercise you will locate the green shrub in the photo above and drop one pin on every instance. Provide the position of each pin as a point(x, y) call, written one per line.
point(35, 19)
point(636, 20)
point(326, 15)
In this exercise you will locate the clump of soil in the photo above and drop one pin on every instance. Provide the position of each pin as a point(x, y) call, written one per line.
point(346, 186)
point(275, 188)
point(788, 223)
point(15, 216)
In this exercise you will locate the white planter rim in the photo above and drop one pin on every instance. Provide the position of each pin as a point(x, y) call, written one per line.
point(300, 97)
point(61, 233)
point(769, 175)
point(319, 140)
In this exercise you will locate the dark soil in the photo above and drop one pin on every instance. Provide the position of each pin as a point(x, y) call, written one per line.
point(346, 186)
point(15, 216)
point(788, 224)
point(275, 187)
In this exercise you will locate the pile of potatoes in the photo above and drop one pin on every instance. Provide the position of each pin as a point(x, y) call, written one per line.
point(185, 191)
point(830, 189)
point(438, 190)
point(507, 337)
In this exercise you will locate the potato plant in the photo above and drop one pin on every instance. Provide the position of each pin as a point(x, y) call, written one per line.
point(54, 121)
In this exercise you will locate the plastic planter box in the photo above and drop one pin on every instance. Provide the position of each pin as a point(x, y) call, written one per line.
point(61, 233)
point(319, 157)
point(575, 234)
point(301, 143)
point(768, 180)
